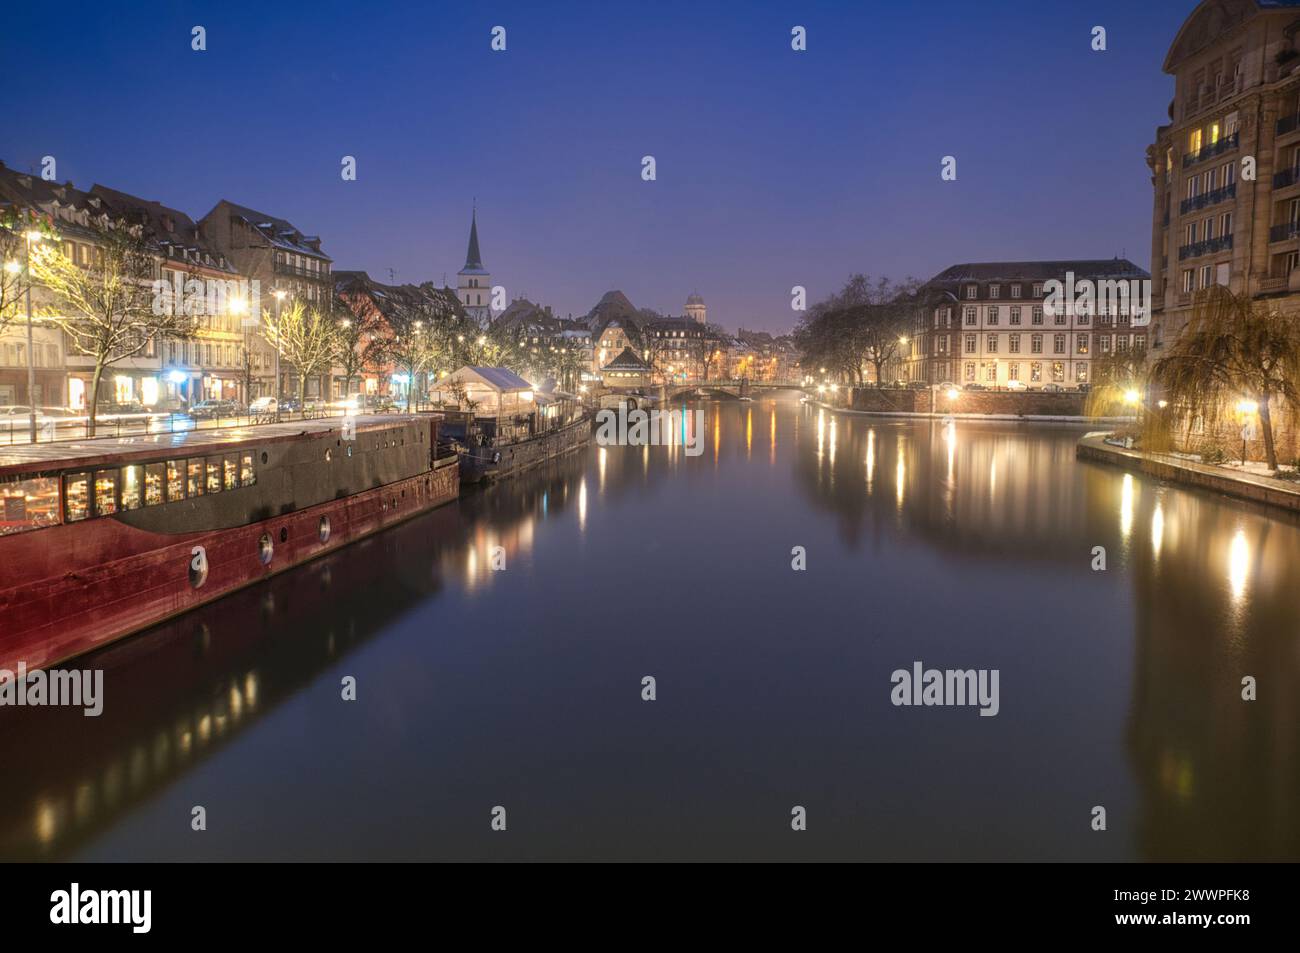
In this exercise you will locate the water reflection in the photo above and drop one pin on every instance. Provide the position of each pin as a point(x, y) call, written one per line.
point(958, 543)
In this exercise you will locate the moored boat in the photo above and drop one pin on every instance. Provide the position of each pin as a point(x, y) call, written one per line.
point(102, 538)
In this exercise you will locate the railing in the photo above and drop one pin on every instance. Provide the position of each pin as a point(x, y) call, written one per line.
point(1206, 199)
point(318, 274)
point(1207, 247)
point(1286, 177)
point(1209, 152)
point(1268, 285)
point(17, 429)
point(1280, 233)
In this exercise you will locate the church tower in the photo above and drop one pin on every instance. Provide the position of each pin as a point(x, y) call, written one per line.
point(473, 283)
point(695, 309)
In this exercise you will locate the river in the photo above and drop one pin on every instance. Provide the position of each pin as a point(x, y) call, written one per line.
point(970, 546)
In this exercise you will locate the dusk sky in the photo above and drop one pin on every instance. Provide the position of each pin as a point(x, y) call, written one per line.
point(775, 168)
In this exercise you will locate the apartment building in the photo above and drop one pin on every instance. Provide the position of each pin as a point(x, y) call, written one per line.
point(278, 256)
point(992, 324)
point(1226, 167)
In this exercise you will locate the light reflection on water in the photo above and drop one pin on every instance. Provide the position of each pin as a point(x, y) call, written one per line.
point(476, 686)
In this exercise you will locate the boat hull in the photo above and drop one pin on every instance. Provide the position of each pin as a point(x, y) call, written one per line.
point(115, 579)
point(481, 464)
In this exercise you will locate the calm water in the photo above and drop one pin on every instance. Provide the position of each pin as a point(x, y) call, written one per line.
point(967, 547)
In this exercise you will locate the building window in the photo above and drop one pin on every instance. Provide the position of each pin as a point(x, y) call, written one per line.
point(1189, 281)
point(1058, 371)
point(991, 373)
point(1058, 343)
point(1038, 291)
point(1036, 343)
point(993, 316)
point(1081, 372)
point(1015, 343)
point(1013, 372)
point(1036, 316)
point(970, 344)
point(1015, 313)
point(971, 316)
point(1015, 291)
point(995, 291)
point(1035, 371)
point(972, 292)
point(970, 371)
point(1207, 276)
point(1081, 344)
point(993, 344)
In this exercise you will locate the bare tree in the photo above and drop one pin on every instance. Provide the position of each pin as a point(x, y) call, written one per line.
point(1233, 349)
point(305, 337)
point(108, 310)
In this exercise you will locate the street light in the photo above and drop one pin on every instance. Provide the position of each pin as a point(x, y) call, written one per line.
point(1246, 408)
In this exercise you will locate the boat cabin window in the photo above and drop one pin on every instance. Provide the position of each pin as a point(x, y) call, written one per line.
point(246, 475)
point(214, 475)
point(105, 492)
point(155, 476)
point(230, 471)
point(175, 480)
point(132, 487)
point(194, 478)
point(76, 496)
point(28, 504)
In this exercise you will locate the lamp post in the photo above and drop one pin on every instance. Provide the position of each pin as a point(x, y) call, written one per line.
point(279, 297)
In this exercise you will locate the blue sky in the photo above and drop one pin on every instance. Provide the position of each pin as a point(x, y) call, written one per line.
point(775, 168)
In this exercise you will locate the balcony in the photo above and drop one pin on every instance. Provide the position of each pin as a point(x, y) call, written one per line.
point(315, 275)
point(1205, 200)
point(1280, 233)
point(1286, 178)
point(1207, 247)
point(1226, 144)
point(1271, 285)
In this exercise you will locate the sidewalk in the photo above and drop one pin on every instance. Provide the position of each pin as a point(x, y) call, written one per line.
point(1238, 483)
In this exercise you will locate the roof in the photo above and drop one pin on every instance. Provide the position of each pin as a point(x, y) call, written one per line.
point(694, 299)
point(501, 379)
point(473, 259)
point(73, 454)
point(169, 227)
point(278, 231)
point(627, 360)
point(1040, 270)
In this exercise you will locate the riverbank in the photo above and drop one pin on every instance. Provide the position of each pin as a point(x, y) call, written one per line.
point(1001, 418)
point(1240, 484)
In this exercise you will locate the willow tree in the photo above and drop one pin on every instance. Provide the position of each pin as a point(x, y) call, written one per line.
point(305, 337)
point(108, 309)
point(1234, 349)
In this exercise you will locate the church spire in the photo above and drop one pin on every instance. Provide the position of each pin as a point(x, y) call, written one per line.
point(473, 259)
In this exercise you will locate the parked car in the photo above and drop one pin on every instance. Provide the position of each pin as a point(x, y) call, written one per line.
point(974, 386)
point(214, 409)
point(918, 385)
point(1084, 388)
point(1053, 388)
point(263, 405)
point(1017, 385)
point(946, 386)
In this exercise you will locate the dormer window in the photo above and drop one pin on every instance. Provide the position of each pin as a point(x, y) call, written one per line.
point(972, 291)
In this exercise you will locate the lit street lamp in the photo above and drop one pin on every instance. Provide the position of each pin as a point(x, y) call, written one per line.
point(1246, 409)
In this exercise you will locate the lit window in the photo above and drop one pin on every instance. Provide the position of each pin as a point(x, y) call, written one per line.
point(155, 476)
point(194, 478)
point(132, 487)
point(105, 492)
point(76, 496)
point(29, 504)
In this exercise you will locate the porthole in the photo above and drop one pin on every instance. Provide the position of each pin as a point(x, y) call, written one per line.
point(329, 455)
point(284, 534)
point(349, 450)
point(265, 549)
point(264, 458)
point(324, 531)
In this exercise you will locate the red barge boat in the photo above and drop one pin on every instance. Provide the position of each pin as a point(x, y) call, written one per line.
point(102, 538)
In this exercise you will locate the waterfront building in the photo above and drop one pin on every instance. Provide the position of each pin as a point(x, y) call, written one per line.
point(1236, 69)
point(474, 282)
point(279, 257)
point(627, 371)
point(210, 365)
point(990, 324)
